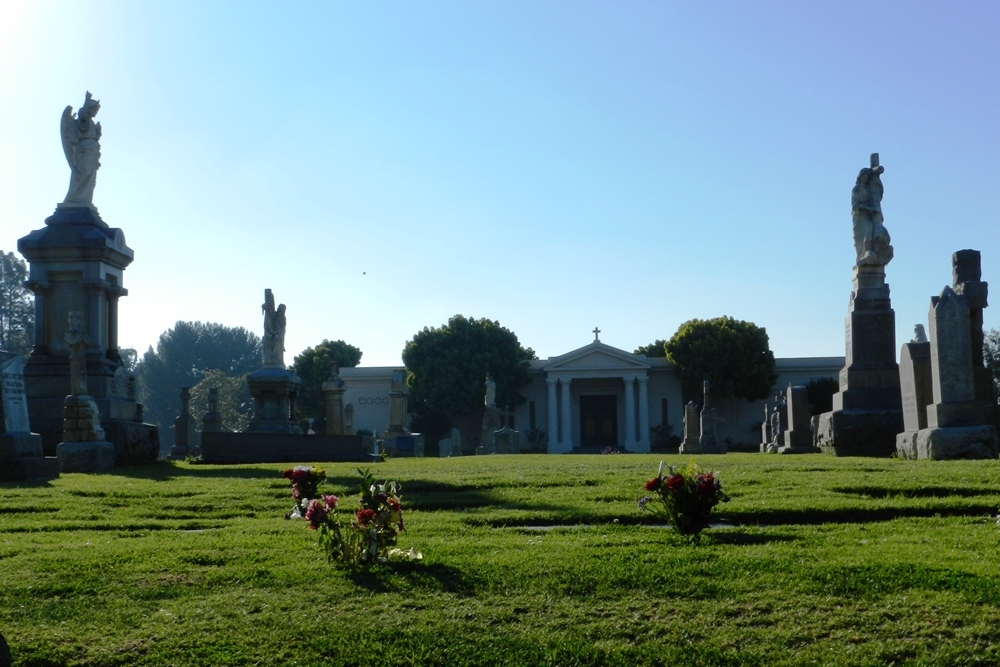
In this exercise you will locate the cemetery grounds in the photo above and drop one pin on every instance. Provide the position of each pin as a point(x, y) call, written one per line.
point(528, 560)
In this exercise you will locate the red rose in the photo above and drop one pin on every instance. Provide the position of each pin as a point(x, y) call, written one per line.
point(675, 482)
point(654, 484)
point(365, 517)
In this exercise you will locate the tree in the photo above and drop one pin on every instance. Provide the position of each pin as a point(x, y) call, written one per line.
point(314, 366)
point(733, 355)
point(17, 306)
point(447, 367)
point(654, 349)
point(183, 356)
point(235, 401)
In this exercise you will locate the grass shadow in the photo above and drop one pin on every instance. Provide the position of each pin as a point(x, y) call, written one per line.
point(814, 517)
point(880, 492)
point(429, 577)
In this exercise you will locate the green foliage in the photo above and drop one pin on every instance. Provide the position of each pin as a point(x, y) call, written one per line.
point(447, 366)
point(820, 393)
point(654, 349)
point(314, 366)
point(182, 357)
point(991, 357)
point(235, 403)
point(829, 561)
point(733, 355)
point(17, 306)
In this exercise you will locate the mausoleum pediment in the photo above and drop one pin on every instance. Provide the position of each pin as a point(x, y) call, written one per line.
point(597, 357)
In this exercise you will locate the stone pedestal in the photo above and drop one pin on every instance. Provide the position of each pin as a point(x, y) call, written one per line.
point(274, 392)
point(83, 448)
point(333, 397)
point(867, 411)
point(185, 433)
point(211, 421)
point(77, 264)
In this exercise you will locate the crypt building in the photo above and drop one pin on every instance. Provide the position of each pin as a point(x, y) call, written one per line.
point(596, 397)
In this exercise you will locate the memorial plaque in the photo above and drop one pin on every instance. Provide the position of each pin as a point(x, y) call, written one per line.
point(14, 404)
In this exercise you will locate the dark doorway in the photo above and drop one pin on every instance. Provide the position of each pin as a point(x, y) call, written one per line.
point(599, 421)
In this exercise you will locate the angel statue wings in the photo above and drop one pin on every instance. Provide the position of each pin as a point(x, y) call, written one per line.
point(81, 143)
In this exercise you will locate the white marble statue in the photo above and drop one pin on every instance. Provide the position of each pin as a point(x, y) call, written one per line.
point(81, 143)
point(871, 238)
point(919, 334)
point(273, 342)
point(491, 391)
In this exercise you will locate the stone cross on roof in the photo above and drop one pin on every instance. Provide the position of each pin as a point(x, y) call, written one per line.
point(597, 334)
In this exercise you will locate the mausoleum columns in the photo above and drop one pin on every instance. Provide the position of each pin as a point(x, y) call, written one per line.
point(629, 413)
point(553, 416)
point(643, 443)
point(566, 439)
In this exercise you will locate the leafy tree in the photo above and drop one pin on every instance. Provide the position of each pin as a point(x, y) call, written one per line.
point(314, 366)
point(733, 355)
point(991, 357)
point(17, 306)
point(182, 357)
point(235, 401)
point(654, 349)
point(447, 366)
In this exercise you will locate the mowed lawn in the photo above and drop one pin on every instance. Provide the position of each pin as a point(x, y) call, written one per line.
point(528, 560)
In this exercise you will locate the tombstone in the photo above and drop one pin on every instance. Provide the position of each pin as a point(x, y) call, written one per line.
point(508, 441)
point(21, 454)
point(956, 426)
point(451, 445)
point(349, 419)
point(708, 442)
point(83, 447)
point(692, 429)
point(765, 429)
point(333, 398)
point(778, 422)
point(211, 421)
point(77, 264)
point(798, 438)
point(915, 384)
point(274, 388)
point(185, 433)
point(867, 411)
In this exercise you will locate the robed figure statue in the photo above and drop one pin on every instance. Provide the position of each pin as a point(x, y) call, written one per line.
point(81, 143)
point(273, 342)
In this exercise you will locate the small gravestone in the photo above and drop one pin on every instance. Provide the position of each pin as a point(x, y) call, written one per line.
point(798, 438)
point(211, 421)
point(21, 456)
point(185, 433)
point(452, 445)
point(507, 441)
point(692, 429)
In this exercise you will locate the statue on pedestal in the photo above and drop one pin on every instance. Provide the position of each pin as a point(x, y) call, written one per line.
point(273, 342)
point(871, 238)
point(81, 143)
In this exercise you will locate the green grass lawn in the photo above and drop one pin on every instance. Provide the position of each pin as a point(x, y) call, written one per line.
point(528, 560)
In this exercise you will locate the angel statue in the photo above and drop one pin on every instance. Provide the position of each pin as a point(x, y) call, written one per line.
point(81, 143)
point(273, 342)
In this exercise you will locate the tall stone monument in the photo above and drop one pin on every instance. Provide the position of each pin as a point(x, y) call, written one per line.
point(333, 400)
point(77, 264)
point(867, 411)
point(274, 388)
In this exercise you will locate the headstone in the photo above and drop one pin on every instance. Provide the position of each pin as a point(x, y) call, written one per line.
point(211, 421)
point(333, 397)
point(708, 442)
point(185, 433)
point(21, 455)
point(915, 384)
point(451, 445)
point(83, 447)
point(798, 438)
point(956, 423)
point(274, 388)
point(507, 441)
point(867, 411)
point(692, 429)
point(779, 424)
point(349, 419)
point(765, 429)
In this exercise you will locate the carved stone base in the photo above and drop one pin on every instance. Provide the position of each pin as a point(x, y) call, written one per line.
point(91, 456)
point(274, 392)
point(858, 432)
point(943, 444)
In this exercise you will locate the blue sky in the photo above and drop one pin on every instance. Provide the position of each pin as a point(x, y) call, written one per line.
point(554, 166)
